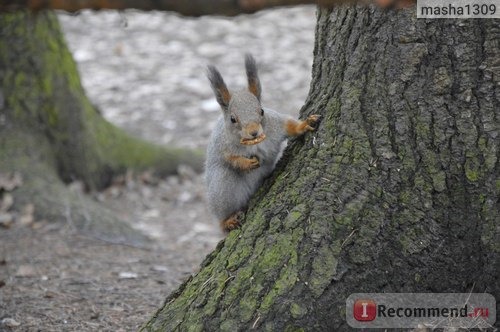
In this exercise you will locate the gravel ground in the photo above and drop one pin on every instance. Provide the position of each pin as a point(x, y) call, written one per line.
point(146, 73)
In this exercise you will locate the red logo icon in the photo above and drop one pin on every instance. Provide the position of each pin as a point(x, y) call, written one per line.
point(365, 310)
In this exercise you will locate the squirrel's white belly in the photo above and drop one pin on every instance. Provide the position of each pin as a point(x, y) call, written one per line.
point(229, 190)
point(268, 153)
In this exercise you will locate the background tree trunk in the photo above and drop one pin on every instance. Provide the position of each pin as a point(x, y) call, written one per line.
point(397, 191)
point(49, 131)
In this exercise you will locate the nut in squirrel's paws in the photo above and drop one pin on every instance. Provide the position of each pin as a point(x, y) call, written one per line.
point(312, 120)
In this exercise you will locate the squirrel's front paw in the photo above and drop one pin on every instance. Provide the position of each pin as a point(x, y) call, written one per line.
point(243, 163)
point(253, 163)
point(312, 120)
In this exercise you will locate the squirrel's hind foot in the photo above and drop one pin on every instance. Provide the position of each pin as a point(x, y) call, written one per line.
point(232, 222)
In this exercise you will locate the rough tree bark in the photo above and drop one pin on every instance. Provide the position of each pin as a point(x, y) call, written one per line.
point(50, 132)
point(397, 191)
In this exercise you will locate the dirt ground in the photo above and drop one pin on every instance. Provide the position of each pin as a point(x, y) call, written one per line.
point(145, 72)
point(57, 279)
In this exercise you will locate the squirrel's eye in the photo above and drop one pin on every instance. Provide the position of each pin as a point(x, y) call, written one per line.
point(233, 119)
point(262, 111)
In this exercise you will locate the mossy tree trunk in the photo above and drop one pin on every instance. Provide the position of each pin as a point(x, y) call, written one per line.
point(397, 191)
point(49, 131)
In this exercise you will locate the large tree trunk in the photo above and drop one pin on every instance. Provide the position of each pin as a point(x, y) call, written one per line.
point(397, 191)
point(50, 132)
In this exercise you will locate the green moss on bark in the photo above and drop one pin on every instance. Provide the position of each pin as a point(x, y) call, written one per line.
point(31, 155)
point(43, 94)
point(395, 192)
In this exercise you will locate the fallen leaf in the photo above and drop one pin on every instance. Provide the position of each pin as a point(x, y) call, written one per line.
point(127, 275)
point(6, 202)
point(160, 268)
point(10, 181)
point(50, 294)
point(148, 178)
point(25, 271)
point(39, 224)
point(27, 212)
point(10, 322)
point(113, 192)
point(118, 180)
point(6, 219)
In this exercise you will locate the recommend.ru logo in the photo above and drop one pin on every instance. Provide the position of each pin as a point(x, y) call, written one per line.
point(412, 310)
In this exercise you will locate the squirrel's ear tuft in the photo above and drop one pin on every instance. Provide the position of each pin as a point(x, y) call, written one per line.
point(252, 76)
point(220, 89)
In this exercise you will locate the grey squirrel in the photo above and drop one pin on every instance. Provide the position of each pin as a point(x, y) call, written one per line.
point(245, 145)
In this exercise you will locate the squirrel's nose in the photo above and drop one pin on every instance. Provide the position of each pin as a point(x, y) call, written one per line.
point(254, 133)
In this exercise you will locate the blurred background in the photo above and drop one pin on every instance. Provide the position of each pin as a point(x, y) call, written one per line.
point(145, 72)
